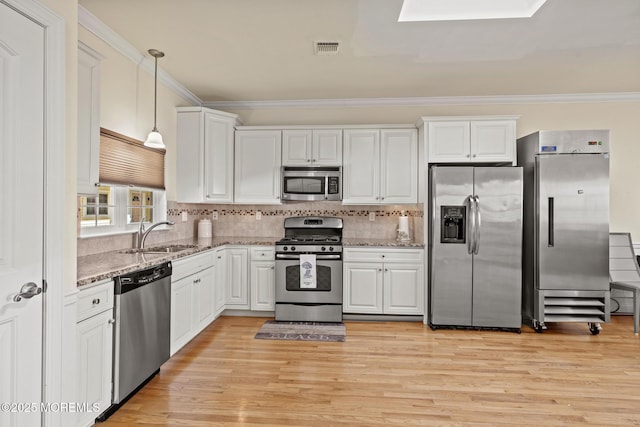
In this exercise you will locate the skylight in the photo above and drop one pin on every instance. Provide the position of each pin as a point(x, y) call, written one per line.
point(454, 10)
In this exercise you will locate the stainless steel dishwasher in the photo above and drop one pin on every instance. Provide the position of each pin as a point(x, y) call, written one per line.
point(141, 338)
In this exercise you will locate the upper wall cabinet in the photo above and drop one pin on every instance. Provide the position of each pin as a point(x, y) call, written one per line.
point(204, 154)
point(380, 166)
point(470, 139)
point(88, 119)
point(317, 147)
point(257, 166)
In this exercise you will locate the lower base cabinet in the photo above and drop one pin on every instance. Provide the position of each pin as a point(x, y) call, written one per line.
point(192, 297)
point(94, 340)
point(263, 278)
point(383, 281)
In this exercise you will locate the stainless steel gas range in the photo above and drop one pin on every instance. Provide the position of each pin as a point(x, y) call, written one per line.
point(309, 270)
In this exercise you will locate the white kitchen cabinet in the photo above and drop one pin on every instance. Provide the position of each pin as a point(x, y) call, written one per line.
point(94, 340)
point(237, 289)
point(204, 155)
point(88, 119)
point(471, 139)
point(257, 166)
point(313, 147)
point(263, 278)
point(380, 166)
point(192, 297)
point(383, 281)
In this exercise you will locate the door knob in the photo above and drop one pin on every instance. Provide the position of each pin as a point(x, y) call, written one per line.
point(28, 290)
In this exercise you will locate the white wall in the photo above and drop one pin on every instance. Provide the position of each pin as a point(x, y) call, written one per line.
point(127, 108)
point(622, 118)
point(126, 101)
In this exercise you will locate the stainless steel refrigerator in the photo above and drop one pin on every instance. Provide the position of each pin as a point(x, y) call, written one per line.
point(566, 227)
point(475, 277)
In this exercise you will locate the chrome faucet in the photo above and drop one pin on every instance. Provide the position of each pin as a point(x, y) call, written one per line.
point(142, 233)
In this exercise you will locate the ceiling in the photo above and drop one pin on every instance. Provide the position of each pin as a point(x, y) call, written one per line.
point(243, 50)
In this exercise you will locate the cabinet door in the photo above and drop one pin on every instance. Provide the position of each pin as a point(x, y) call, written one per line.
point(94, 341)
point(220, 281)
point(205, 282)
point(218, 158)
point(257, 162)
point(263, 285)
point(361, 166)
point(399, 166)
point(327, 147)
point(362, 291)
point(88, 119)
point(181, 313)
point(237, 278)
point(403, 289)
point(493, 141)
point(449, 141)
point(296, 147)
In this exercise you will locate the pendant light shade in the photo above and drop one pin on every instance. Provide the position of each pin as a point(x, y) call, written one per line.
point(154, 140)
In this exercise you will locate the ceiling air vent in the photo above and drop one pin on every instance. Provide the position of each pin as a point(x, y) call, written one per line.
point(326, 48)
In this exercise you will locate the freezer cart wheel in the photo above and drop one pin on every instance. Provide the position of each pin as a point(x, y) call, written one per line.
point(594, 328)
point(538, 327)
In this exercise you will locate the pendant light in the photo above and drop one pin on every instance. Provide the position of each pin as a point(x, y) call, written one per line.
point(154, 140)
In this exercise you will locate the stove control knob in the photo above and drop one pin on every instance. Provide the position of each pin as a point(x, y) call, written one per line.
point(293, 248)
point(331, 248)
point(285, 248)
point(323, 249)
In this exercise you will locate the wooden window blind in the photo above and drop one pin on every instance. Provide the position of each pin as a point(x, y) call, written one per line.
point(126, 161)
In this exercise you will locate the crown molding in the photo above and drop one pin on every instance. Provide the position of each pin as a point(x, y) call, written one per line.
point(122, 46)
point(431, 101)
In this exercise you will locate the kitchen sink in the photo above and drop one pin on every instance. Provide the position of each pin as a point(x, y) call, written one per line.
point(160, 249)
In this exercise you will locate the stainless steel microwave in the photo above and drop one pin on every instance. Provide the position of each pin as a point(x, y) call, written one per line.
point(311, 183)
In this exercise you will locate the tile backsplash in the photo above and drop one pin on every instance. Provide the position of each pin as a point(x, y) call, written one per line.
point(241, 220)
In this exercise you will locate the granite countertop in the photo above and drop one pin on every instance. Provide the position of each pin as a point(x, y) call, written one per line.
point(94, 268)
point(380, 242)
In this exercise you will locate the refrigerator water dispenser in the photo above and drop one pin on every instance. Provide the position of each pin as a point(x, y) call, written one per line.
point(453, 224)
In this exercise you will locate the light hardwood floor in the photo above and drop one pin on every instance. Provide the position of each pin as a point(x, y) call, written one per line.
point(397, 374)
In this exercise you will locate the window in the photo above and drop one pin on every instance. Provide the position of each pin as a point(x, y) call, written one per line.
point(131, 188)
point(118, 209)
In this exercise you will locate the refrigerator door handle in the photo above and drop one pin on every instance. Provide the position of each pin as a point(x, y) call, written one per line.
point(477, 225)
point(471, 224)
point(551, 225)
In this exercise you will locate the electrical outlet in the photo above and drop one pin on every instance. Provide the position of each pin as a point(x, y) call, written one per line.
point(215, 215)
point(258, 215)
point(372, 216)
point(185, 216)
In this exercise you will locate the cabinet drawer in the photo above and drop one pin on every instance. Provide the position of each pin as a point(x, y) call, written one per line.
point(263, 253)
point(384, 255)
point(94, 300)
point(189, 265)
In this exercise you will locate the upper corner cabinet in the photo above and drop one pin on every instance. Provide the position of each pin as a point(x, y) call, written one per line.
point(312, 147)
point(471, 139)
point(204, 155)
point(380, 166)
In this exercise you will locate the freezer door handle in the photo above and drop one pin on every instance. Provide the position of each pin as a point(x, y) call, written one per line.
point(551, 231)
point(471, 224)
point(477, 225)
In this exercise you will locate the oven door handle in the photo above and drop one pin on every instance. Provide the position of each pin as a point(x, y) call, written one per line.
point(318, 257)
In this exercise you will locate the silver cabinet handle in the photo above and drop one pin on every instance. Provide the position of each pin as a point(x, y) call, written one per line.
point(28, 290)
point(96, 301)
point(112, 321)
point(468, 155)
point(272, 267)
point(379, 269)
point(386, 269)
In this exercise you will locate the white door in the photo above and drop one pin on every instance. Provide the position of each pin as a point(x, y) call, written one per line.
point(21, 215)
